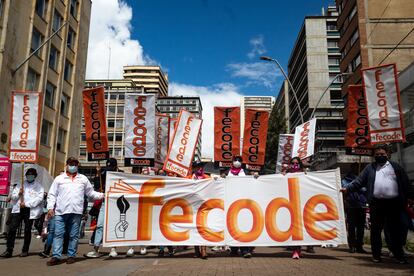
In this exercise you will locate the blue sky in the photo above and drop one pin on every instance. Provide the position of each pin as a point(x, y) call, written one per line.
point(205, 42)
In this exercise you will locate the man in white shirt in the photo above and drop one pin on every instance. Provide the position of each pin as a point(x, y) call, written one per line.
point(27, 206)
point(65, 202)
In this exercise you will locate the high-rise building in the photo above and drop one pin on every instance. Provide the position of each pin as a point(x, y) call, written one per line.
point(373, 33)
point(313, 65)
point(56, 68)
point(282, 104)
point(152, 78)
point(254, 102)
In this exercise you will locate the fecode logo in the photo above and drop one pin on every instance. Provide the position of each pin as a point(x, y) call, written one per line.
point(287, 151)
point(381, 101)
point(96, 123)
point(304, 141)
point(140, 131)
point(254, 138)
point(24, 135)
point(184, 140)
point(226, 137)
point(264, 218)
point(159, 139)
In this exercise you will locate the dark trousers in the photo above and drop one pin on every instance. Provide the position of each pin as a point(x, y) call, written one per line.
point(15, 221)
point(387, 212)
point(356, 222)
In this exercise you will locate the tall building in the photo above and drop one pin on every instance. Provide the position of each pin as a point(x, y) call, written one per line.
point(370, 32)
point(254, 102)
point(313, 65)
point(57, 69)
point(282, 104)
point(152, 78)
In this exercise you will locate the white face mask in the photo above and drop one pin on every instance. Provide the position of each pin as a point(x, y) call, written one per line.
point(237, 164)
point(72, 169)
point(30, 178)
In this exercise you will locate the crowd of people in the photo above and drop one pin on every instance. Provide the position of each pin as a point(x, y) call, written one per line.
point(381, 190)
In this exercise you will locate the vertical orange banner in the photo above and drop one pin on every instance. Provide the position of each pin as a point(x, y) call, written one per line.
point(95, 123)
point(255, 136)
point(226, 134)
point(357, 140)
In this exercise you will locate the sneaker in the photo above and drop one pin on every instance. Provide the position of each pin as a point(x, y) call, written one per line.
point(247, 255)
point(53, 261)
point(92, 254)
point(295, 255)
point(143, 251)
point(113, 253)
point(44, 255)
point(70, 260)
point(6, 254)
point(376, 260)
point(130, 252)
point(24, 254)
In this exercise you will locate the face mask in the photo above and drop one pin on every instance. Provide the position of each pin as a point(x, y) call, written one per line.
point(72, 169)
point(30, 178)
point(237, 164)
point(381, 159)
point(199, 172)
point(295, 166)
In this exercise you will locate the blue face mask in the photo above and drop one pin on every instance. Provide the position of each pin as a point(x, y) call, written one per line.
point(72, 169)
point(30, 178)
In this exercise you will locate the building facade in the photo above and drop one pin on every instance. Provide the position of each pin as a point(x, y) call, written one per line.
point(57, 69)
point(282, 104)
point(370, 31)
point(313, 71)
point(152, 78)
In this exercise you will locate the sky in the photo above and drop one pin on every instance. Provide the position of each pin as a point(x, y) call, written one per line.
point(209, 48)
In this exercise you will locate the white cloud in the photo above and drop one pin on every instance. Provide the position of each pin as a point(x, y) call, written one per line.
point(257, 73)
point(111, 29)
point(223, 94)
point(258, 47)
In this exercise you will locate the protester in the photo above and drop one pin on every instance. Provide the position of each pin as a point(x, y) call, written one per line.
point(295, 166)
point(355, 206)
point(388, 192)
point(198, 173)
point(65, 202)
point(237, 170)
point(27, 207)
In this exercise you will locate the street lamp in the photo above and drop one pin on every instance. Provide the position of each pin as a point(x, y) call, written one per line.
point(324, 92)
point(287, 79)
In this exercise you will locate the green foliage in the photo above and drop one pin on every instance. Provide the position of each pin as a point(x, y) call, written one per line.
point(276, 125)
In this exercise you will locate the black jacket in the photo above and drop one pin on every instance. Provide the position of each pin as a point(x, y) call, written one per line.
point(367, 179)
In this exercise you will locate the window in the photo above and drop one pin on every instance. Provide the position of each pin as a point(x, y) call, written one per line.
point(112, 97)
point(119, 124)
point(82, 152)
point(32, 81)
point(111, 123)
point(118, 152)
point(331, 26)
point(120, 110)
point(60, 146)
point(73, 7)
point(332, 44)
point(110, 137)
point(358, 60)
point(37, 39)
point(83, 137)
point(57, 21)
point(53, 58)
point(111, 109)
point(67, 75)
point(333, 61)
point(41, 6)
point(64, 105)
point(71, 38)
point(121, 96)
point(45, 135)
point(355, 63)
point(352, 13)
point(354, 37)
point(50, 95)
point(118, 137)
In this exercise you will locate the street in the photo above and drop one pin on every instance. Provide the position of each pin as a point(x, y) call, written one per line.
point(265, 261)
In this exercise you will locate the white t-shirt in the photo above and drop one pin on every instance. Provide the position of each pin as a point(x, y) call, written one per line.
point(385, 185)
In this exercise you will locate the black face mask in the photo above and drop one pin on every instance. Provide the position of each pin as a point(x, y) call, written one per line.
point(381, 159)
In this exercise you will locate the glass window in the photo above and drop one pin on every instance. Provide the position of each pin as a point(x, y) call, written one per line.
point(41, 6)
point(111, 109)
point(83, 137)
point(354, 37)
point(333, 61)
point(352, 13)
point(332, 44)
point(82, 152)
point(53, 58)
point(57, 21)
point(73, 7)
point(121, 96)
point(67, 74)
point(60, 146)
point(71, 38)
point(45, 135)
point(50, 95)
point(32, 81)
point(111, 123)
point(110, 137)
point(64, 105)
point(120, 110)
point(119, 124)
point(37, 40)
point(118, 152)
point(112, 97)
point(118, 137)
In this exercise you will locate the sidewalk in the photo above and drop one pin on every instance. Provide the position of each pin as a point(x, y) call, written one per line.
point(266, 261)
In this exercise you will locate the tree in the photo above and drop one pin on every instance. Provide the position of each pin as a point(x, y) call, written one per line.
point(276, 125)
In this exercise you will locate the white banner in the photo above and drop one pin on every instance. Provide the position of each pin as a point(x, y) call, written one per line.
point(383, 104)
point(24, 128)
point(162, 128)
point(139, 130)
point(304, 142)
point(173, 124)
point(284, 152)
point(181, 152)
point(273, 210)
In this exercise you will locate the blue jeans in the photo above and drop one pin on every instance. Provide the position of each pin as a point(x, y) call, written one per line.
point(66, 223)
point(50, 232)
point(99, 226)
